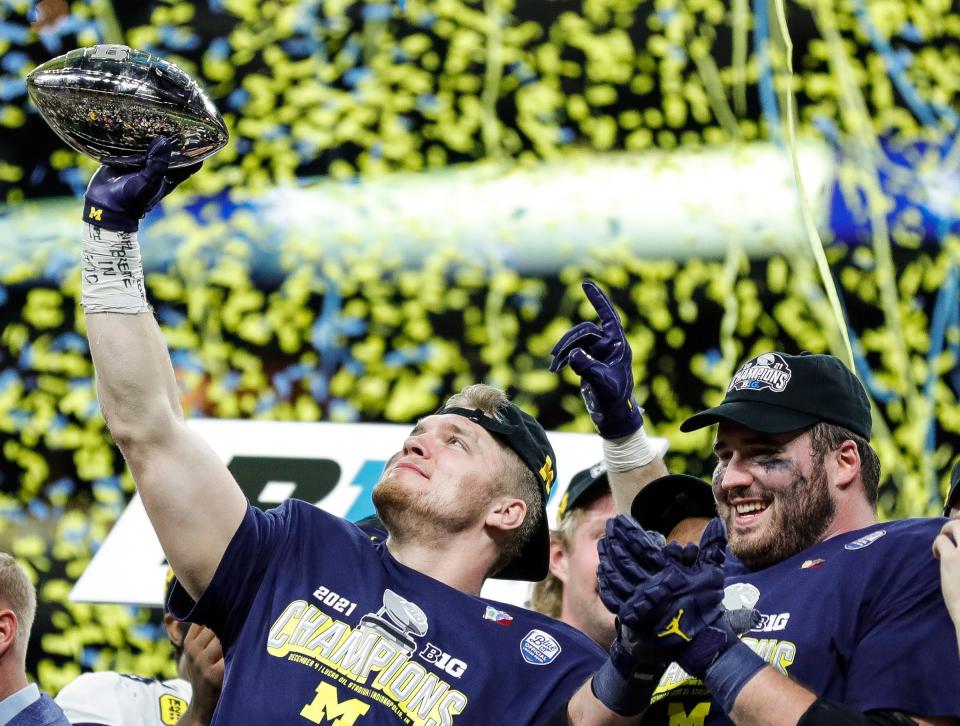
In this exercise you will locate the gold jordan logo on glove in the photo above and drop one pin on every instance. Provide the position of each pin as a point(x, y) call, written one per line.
point(674, 628)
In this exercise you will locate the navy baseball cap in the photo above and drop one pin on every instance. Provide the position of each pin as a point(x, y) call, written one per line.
point(528, 440)
point(778, 392)
point(665, 502)
point(584, 487)
point(954, 489)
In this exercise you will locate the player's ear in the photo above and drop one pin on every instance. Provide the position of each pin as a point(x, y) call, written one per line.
point(559, 562)
point(8, 630)
point(174, 632)
point(506, 513)
point(846, 460)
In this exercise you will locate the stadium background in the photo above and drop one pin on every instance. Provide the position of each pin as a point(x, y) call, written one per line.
point(353, 92)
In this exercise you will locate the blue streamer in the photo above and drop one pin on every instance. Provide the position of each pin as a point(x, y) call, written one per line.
point(897, 61)
point(768, 96)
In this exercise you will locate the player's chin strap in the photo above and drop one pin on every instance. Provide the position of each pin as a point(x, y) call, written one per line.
point(824, 712)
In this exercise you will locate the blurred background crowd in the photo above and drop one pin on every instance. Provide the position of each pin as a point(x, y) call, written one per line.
point(411, 196)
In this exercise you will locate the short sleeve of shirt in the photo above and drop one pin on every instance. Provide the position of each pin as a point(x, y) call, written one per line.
point(91, 699)
point(225, 603)
point(906, 657)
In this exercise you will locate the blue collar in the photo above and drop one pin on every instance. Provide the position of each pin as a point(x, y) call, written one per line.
point(16, 702)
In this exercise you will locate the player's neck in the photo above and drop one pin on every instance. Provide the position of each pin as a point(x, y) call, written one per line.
point(442, 558)
point(12, 676)
point(851, 515)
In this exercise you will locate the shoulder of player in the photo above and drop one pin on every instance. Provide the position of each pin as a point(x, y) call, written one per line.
point(99, 684)
point(96, 681)
point(526, 621)
point(178, 687)
point(897, 553)
point(916, 533)
point(297, 509)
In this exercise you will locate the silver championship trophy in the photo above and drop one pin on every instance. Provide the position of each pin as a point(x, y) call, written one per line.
point(111, 101)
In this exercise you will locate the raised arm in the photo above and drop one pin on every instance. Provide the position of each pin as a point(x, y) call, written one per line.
point(601, 356)
point(190, 496)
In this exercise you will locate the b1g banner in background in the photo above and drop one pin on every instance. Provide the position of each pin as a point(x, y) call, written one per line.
point(334, 466)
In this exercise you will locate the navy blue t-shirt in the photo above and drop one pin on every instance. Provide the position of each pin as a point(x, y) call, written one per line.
point(858, 619)
point(320, 625)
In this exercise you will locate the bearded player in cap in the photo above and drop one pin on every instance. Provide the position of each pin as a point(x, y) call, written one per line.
point(318, 623)
point(851, 626)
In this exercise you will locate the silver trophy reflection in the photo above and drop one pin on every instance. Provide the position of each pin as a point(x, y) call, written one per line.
point(111, 101)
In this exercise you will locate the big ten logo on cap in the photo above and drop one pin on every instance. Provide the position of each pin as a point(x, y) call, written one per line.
point(768, 371)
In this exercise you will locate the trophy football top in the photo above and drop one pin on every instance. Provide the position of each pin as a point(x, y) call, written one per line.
point(111, 101)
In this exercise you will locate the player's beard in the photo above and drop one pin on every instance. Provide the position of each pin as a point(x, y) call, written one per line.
point(411, 515)
point(801, 513)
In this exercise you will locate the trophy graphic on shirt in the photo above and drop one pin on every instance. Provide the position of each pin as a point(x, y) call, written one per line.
point(398, 620)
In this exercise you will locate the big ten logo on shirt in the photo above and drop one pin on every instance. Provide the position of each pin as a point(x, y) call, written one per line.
point(453, 666)
point(371, 665)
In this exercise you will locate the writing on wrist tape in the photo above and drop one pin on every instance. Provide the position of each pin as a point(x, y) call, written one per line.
point(111, 272)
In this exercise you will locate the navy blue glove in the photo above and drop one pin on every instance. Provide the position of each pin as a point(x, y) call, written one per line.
point(627, 681)
point(670, 596)
point(117, 198)
point(670, 600)
point(601, 356)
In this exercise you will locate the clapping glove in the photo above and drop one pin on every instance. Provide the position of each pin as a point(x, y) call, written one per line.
point(671, 602)
point(601, 356)
point(626, 682)
point(118, 197)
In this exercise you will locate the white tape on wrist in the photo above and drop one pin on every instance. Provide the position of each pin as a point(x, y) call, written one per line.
point(630, 452)
point(111, 272)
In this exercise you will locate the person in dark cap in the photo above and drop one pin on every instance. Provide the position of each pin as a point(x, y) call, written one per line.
point(850, 626)
point(678, 506)
point(318, 623)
